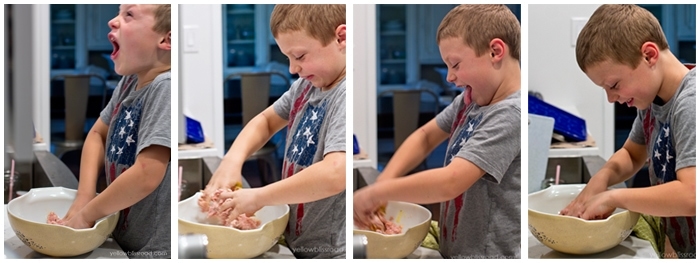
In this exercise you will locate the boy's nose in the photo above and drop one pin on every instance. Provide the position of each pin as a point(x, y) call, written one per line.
point(451, 77)
point(293, 68)
point(612, 98)
point(112, 23)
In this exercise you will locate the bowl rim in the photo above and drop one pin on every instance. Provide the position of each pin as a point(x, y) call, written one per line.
point(259, 229)
point(52, 189)
point(363, 231)
point(567, 186)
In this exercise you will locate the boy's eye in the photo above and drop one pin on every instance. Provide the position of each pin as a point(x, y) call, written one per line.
point(455, 66)
point(614, 86)
point(300, 57)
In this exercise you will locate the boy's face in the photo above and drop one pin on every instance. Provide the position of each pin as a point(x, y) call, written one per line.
point(635, 87)
point(135, 43)
point(322, 66)
point(469, 71)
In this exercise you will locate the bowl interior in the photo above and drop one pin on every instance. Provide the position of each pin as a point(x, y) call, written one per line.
point(35, 205)
point(555, 198)
point(189, 211)
point(406, 215)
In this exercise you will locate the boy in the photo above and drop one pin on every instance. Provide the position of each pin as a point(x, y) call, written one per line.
point(479, 185)
point(313, 37)
point(635, 66)
point(132, 138)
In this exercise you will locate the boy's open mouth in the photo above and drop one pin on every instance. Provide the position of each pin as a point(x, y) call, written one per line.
point(630, 102)
point(115, 46)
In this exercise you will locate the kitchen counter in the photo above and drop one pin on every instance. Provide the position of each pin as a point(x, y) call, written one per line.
point(278, 252)
point(14, 248)
point(632, 247)
point(424, 253)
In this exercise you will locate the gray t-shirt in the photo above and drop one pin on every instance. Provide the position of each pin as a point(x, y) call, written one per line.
point(668, 131)
point(484, 221)
point(316, 127)
point(136, 120)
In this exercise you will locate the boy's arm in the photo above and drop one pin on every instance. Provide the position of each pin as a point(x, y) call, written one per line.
point(319, 180)
point(622, 165)
point(254, 135)
point(676, 198)
point(414, 150)
point(131, 186)
point(91, 160)
point(430, 186)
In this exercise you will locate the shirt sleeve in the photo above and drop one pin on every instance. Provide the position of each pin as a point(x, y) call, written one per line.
point(637, 132)
point(154, 128)
point(106, 114)
point(283, 105)
point(683, 120)
point(496, 141)
point(335, 138)
point(447, 116)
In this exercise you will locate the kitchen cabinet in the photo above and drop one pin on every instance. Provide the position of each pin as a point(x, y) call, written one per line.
point(67, 40)
point(685, 22)
point(396, 54)
point(431, 17)
point(248, 42)
point(97, 29)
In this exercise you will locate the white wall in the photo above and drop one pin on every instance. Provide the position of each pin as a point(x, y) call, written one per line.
point(364, 104)
point(553, 70)
point(202, 71)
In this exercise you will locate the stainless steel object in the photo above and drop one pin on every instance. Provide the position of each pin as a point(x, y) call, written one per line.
point(192, 246)
point(359, 247)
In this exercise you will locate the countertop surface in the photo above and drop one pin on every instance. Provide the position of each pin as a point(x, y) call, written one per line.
point(14, 248)
point(632, 247)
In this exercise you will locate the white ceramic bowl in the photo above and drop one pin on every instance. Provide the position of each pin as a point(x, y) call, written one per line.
point(228, 242)
point(415, 222)
point(27, 215)
point(571, 234)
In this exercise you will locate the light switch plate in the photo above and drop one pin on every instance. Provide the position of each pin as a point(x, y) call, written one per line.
point(577, 23)
point(191, 44)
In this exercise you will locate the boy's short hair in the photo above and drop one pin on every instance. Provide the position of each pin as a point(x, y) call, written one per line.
point(319, 21)
point(477, 25)
point(161, 13)
point(617, 32)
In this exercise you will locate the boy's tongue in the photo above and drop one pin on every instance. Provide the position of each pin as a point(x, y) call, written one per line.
point(468, 95)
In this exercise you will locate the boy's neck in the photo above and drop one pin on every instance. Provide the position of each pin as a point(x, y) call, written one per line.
point(145, 78)
point(673, 72)
point(335, 82)
point(510, 82)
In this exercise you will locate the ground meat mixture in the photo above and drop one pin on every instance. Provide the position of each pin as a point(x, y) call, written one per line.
point(381, 225)
point(211, 204)
point(53, 219)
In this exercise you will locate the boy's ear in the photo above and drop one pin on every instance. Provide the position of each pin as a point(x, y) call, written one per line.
point(650, 53)
point(341, 34)
point(497, 49)
point(165, 42)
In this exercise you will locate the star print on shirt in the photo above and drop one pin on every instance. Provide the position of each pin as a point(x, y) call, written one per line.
point(304, 144)
point(663, 162)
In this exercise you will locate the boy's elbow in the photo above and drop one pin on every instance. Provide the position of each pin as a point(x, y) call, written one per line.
point(337, 168)
point(153, 173)
point(690, 207)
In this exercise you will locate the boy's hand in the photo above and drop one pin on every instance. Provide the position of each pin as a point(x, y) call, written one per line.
point(243, 201)
point(364, 207)
point(221, 180)
point(598, 207)
point(78, 204)
point(78, 222)
point(576, 207)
